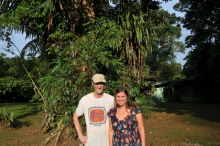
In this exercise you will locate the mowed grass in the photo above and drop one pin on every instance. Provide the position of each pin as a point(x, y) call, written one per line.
point(181, 124)
point(23, 112)
point(170, 124)
point(20, 108)
point(25, 130)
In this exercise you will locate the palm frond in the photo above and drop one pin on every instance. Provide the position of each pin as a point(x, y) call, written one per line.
point(32, 47)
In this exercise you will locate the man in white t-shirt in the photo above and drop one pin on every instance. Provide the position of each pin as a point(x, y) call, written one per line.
point(94, 106)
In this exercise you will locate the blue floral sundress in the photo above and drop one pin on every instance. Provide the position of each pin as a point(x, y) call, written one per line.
point(126, 131)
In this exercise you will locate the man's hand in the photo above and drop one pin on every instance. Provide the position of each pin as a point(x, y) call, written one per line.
point(83, 139)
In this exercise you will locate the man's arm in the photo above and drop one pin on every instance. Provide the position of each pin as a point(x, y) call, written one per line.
point(82, 138)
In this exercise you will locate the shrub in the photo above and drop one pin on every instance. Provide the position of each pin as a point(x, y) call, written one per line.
point(5, 117)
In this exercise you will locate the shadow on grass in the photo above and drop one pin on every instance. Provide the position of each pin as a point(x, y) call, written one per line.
point(18, 124)
point(24, 120)
point(209, 112)
point(23, 113)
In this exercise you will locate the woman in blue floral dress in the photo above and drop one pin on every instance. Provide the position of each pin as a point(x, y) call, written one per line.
point(126, 122)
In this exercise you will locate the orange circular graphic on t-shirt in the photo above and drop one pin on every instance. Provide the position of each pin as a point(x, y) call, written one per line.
point(97, 115)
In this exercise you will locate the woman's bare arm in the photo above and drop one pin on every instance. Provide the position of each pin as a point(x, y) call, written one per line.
point(110, 132)
point(141, 128)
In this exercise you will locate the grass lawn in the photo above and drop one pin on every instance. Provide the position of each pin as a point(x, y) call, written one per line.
point(26, 128)
point(170, 124)
point(183, 124)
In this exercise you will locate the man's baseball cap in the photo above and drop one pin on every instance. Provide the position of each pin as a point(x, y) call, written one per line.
point(98, 78)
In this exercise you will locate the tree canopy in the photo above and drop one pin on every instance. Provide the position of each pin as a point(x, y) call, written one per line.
point(202, 18)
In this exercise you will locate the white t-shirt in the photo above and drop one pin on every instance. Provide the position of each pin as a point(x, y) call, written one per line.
point(97, 123)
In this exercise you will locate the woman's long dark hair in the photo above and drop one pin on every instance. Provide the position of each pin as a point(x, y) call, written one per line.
point(128, 103)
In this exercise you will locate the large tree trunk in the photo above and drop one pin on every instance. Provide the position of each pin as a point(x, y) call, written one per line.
point(75, 14)
point(88, 6)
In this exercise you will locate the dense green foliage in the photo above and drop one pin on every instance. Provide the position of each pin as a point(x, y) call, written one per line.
point(171, 71)
point(15, 86)
point(203, 20)
point(75, 39)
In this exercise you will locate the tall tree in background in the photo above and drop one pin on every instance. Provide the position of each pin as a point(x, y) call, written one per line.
point(151, 36)
point(202, 18)
point(140, 20)
point(167, 43)
point(78, 38)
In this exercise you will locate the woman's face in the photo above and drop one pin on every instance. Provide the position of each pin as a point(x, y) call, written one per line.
point(121, 98)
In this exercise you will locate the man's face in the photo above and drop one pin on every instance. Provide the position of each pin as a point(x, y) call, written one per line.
point(99, 87)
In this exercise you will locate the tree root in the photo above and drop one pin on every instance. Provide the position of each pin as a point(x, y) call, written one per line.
point(57, 134)
point(52, 135)
point(61, 128)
